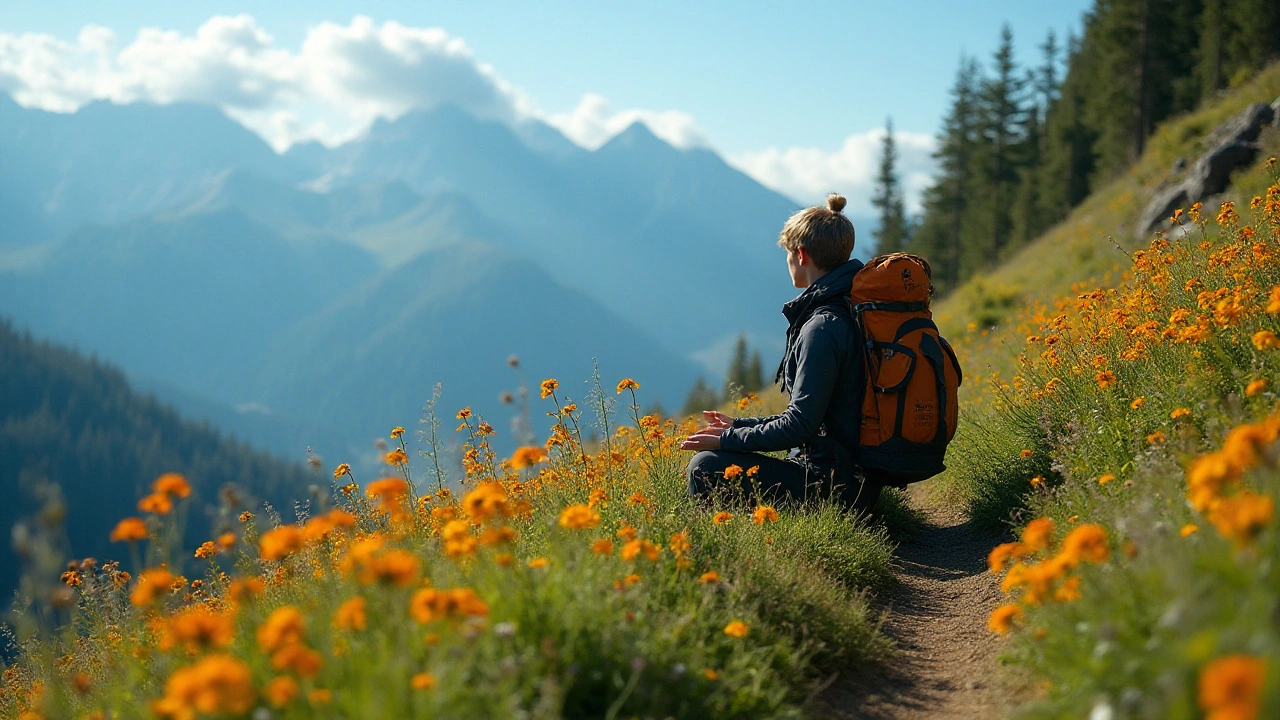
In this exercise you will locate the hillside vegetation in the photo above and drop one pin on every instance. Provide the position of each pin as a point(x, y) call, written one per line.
point(1122, 416)
point(566, 580)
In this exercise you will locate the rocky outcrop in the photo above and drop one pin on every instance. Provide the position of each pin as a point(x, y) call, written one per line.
point(1231, 145)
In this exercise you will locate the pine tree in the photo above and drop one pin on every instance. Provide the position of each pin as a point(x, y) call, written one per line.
point(1002, 132)
point(891, 236)
point(755, 373)
point(701, 397)
point(746, 373)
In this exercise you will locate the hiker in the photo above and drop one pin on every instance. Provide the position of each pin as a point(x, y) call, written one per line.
point(821, 369)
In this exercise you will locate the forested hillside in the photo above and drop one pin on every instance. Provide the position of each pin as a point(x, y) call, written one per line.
point(1025, 141)
point(76, 422)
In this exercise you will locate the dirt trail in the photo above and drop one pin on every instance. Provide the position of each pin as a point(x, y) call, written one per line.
point(945, 664)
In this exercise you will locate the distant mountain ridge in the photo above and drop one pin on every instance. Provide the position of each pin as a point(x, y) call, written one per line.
point(201, 260)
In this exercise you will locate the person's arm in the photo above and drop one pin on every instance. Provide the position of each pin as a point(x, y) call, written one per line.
point(744, 422)
point(817, 362)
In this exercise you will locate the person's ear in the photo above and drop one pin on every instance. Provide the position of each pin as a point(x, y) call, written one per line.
point(803, 257)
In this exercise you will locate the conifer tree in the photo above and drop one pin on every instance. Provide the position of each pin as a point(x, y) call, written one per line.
point(701, 397)
point(745, 371)
point(891, 235)
point(1002, 132)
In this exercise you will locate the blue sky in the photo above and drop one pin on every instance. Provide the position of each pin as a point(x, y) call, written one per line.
point(793, 93)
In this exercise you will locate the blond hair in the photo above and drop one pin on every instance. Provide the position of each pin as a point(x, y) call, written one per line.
point(824, 232)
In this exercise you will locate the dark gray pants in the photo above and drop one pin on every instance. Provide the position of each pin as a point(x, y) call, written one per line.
point(776, 480)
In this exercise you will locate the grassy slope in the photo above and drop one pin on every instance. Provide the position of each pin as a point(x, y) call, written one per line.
point(1183, 591)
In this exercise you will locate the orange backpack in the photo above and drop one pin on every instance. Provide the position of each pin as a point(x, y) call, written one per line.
point(909, 408)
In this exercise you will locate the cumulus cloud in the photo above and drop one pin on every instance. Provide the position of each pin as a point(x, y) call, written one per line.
point(340, 80)
point(594, 121)
point(807, 174)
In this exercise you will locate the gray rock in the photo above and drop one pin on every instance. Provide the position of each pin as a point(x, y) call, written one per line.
point(1244, 127)
point(1157, 213)
point(1213, 170)
point(1275, 112)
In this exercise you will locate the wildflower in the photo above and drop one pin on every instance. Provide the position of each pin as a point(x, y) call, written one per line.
point(283, 627)
point(1265, 340)
point(1026, 453)
point(395, 567)
point(244, 588)
point(71, 578)
point(1179, 413)
point(279, 543)
point(637, 547)
point(216, 685)
point(539, 562)
point(197, 627)
point(721, 517)
point(396, 457)
point(246, 516)
point(1001, 554)
point(1068, 591)
point(597, 497)
point(396, 432)
point(282, 690)
point(464, 413)
point(1255, 388)
point(320, 696)
point(485, 429)
point(423, 681)
point(458, 540)
point(1037, 481)
point(732, 472)
point(548, 387)
point(1156, 438)
point(1105, 379)
point(753, 471)
point(764, 514)
point(680, 543)
point(1188, 530)
point(497, 536)
point(1242, 516)
point(430, 604)
point(504, 559)
point(156, 504)
point(129, 530)
point(1273, 302)
point(628, 384)
point(736, 629)
point(351, 615)
point(1086, 542)
point(579, 517)
point(1231, 687)
point(710, 674)
point(602, 547)
point(1037, 535)
point(627, 581)
point(638, 499)
point(297, 658)
point(226, 540)
point(709, 577)
point(152, 584)
point(1137, 403)
point(206, 550)
point(1108, 477)
point(527, 456)
point(1001, 619)
point(627, 533)
point(487, 500)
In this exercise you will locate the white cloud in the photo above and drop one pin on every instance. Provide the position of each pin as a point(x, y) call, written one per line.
point(342, 78)
point(807, 174)
point(594, 121)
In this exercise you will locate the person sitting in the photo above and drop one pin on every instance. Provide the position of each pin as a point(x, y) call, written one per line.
point(822, 371)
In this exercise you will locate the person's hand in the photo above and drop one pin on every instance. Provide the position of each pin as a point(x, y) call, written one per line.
point(717, 419)
point(705, 439)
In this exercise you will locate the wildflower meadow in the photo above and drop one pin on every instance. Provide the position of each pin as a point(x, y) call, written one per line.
point(574, 578)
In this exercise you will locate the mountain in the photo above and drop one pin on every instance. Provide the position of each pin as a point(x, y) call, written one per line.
point(77, 422)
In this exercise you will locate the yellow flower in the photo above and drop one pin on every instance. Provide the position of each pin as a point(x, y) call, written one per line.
point(486, 501)
point(464, 413)
point(1086, 542)
point(1242, 516)
point(1105, 379)
point(579, 517)
point(216, 685)
point(736, 629)
point(129, 530)
point(1188, 530)
point(1156, 437)
point(156, 504)
point(764, 514)
point(1068, 591)
point(638, 498)
point(351, 615)
point(279, 543)
point(1273, 302)
point(423, 681)
point(1179, 413)
point(282, 690)
point(1037, 481)
point(637, 547)
point(709, 577)
point(206, 550)
point(1001, 554)
point(283, 627)
point(710, 674)
point(320, 696)
point(171, 484)
point(1137, 403)
point(396, 457)
point(1106, 479)
point(396, 432)
point(1001, 619)
point(721, 517)
point(1255, 388)
point(753, 471)
point(540, 562)
point(197, 627)
point(1037, 535)
point(527, 456)
point(1231, 687)
point(1026, 453)
point(548, 387)
point(732, 472)
point(628, 384)
point(1265, 340)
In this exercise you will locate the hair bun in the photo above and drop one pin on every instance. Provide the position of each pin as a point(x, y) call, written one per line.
point(835, 202)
